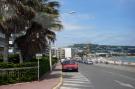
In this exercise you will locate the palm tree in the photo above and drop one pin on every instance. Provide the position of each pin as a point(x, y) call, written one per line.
point(46, 18)
point(15, 17)
point(21, 14)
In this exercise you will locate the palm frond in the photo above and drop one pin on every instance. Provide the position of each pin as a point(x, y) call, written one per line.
point(53, 4)
point(56, 26)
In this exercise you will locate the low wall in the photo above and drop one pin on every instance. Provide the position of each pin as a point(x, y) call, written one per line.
point(122, 63)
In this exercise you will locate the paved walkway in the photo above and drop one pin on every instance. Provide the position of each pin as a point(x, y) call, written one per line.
point(49, 81)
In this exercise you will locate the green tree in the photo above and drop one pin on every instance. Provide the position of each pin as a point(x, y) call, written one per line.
point(44, 24)
point(15, 17)
point(26, 16)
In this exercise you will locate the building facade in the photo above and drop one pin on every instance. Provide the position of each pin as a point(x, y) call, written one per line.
point(2, 37)
point(68, 52)
point(64, 53)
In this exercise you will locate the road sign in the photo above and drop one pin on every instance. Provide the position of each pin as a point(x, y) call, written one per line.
point(39, 56)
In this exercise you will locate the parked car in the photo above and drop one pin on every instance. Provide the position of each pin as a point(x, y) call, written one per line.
point(69, 65)
point(62, 60)
point(89, 62)
point(106, 62)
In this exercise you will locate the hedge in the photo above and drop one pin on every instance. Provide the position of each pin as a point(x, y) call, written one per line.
point(13, 65)
point(23, 72)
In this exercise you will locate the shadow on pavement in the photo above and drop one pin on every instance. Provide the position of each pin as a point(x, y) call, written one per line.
point(67, 76)
point(56, 69)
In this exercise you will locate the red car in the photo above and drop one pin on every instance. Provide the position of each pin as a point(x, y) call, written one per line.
point(69, 65)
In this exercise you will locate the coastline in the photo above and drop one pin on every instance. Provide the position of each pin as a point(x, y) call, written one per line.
point(115, 61)
point(121, 62)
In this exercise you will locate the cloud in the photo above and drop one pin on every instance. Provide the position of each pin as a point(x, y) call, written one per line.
point(86, 16)
point(69, 26)
point(76, 15)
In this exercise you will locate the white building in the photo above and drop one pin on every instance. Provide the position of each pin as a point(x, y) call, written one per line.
point(64, 53)
point(68, 52)
point(60, 53)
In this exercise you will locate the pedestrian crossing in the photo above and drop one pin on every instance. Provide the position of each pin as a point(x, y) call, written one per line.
point(75, 80)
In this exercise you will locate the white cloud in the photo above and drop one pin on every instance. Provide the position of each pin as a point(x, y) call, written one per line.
point(68, 26)
point(86, 16)
point(76, 15)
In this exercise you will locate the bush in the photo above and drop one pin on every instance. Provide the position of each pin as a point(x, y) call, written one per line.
point(14, 58)
point(54, 60)
point(13, 65)
point(1, 57)
point(44, 66)
point(23, 75)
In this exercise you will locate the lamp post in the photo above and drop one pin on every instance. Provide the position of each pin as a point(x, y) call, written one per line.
point(50, 53)
point(50, 56)
point(38, 59)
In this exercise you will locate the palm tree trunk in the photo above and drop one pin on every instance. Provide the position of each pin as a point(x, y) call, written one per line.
point(20, 57)
point(6, 47)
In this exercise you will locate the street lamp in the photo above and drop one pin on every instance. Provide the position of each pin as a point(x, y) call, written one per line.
point(50, 56)
point(50, 53)
point(38, 57)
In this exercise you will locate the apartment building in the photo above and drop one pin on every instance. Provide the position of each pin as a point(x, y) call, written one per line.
point(2, 37)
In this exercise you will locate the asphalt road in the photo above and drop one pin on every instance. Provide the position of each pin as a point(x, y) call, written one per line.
point(100, 77)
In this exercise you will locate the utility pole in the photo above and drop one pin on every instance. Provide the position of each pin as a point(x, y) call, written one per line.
point(50, 56)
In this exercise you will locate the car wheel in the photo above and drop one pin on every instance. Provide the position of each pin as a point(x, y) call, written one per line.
point(76, 70)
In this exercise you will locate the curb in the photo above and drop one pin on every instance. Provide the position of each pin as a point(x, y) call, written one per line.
point(57, 86)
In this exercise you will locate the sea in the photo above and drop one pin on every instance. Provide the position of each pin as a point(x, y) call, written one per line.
point(125, 58)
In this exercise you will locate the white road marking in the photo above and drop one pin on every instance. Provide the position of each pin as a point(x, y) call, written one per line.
point(124, 84)
point(69, 88)
point(77, 79)
point(75, 85)
point(76, 82)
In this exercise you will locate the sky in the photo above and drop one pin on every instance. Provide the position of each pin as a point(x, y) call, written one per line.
point(104, 22)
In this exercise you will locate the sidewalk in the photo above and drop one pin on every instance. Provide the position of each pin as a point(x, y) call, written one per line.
point(50, 81)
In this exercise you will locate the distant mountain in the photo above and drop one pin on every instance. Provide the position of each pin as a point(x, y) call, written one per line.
point(93, 48)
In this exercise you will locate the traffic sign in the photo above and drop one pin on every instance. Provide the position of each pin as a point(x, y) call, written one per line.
point(39, 56)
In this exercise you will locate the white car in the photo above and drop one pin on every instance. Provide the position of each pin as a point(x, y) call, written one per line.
point(62, 60)
point(89, 62)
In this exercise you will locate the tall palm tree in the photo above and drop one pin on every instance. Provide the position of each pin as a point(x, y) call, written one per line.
point(20, 14)
point(45, 21)
point(15, 16)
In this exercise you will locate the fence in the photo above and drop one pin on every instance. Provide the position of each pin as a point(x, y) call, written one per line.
point(13, 75)
point(10, 75)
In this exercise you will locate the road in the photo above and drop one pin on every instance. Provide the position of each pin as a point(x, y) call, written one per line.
point(100, 76)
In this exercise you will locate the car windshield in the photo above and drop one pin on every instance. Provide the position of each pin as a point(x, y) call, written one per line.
point(69, 62)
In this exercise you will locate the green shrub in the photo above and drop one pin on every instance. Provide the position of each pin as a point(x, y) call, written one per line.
point(44, 66)
point(24, 75)
point(54, 60)
point(14, 58)
point(13, 65)
point(1, 57)
point(15, 76)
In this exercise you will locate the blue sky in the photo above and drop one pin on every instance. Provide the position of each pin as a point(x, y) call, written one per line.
point(110, 22)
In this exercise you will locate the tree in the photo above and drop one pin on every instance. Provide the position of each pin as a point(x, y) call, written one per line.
point(46, 18)
point(15, 16)
point(20, 15)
